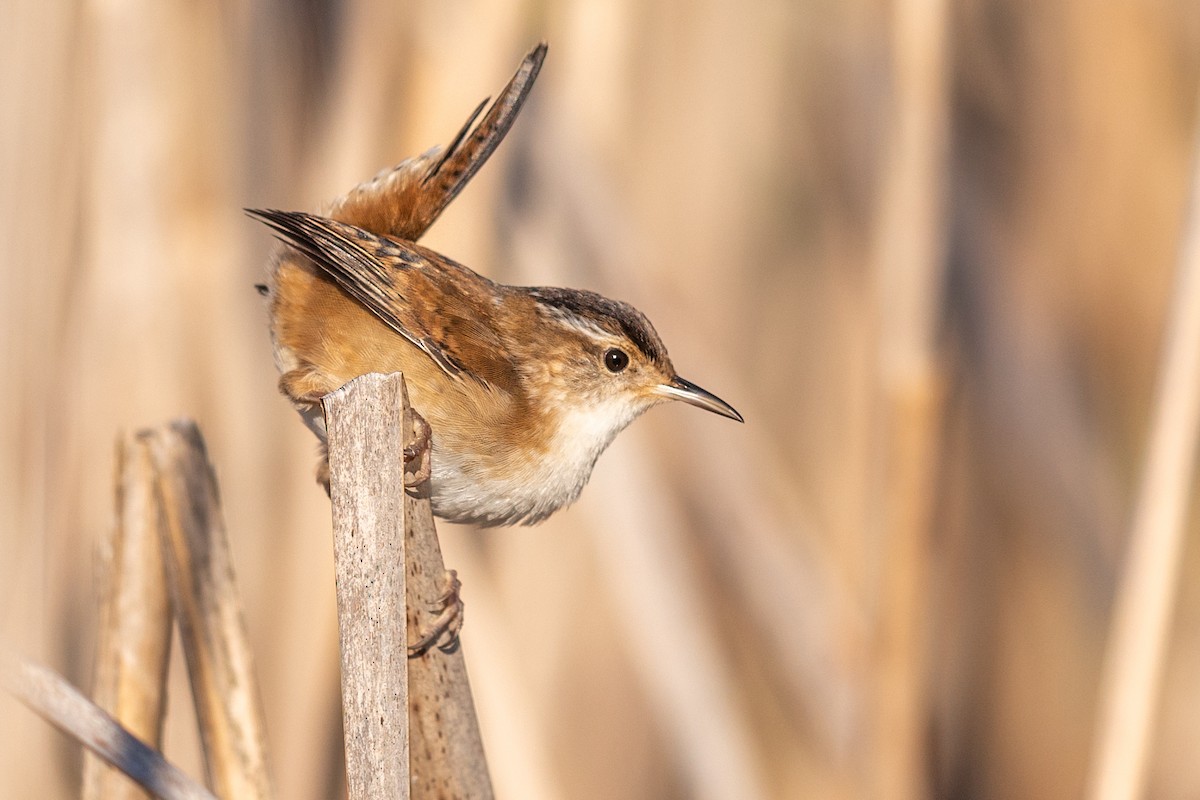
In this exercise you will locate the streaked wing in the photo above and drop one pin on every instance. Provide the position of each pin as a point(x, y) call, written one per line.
point(405, 200)
point(431, 301)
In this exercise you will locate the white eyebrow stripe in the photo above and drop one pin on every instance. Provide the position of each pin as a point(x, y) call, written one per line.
point(576, 323)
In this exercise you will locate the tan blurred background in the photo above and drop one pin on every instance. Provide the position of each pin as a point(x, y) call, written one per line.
point(894, 581)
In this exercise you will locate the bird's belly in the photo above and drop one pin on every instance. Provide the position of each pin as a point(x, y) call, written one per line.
point(465, 490)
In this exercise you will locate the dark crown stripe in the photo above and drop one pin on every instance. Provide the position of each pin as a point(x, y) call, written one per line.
point(612, 315)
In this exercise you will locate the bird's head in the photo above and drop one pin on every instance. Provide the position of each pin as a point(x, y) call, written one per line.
point(603, 358)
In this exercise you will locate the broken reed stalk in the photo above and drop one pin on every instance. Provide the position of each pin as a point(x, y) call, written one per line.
point(64, 707)
point(389, 568)
point(169, 523)
point(205, 598)
point(366, 467)
point(390, 577)
point(134, 641)
point(1145, 600)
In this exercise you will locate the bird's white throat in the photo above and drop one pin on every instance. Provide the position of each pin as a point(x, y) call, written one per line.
point(537, 487)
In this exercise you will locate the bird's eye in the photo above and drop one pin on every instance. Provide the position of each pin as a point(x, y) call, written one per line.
point(616, 360)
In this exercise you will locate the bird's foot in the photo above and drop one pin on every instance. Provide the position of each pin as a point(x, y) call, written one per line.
point(418, 451)
point(445, 627)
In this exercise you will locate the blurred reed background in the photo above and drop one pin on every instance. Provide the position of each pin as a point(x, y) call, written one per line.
point(927, 251)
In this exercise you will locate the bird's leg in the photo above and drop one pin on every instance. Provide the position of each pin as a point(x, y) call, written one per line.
point(449, 620)
point(306, 385)
point(417, 451)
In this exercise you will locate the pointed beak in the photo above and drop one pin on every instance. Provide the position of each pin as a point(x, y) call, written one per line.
point(688, 392)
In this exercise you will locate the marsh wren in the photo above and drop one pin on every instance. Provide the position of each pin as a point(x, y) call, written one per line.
point(524, 387)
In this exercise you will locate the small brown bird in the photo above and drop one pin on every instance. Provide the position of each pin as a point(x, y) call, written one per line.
point(524, 387)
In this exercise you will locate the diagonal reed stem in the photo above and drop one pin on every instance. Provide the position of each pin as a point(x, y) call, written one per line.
point(1145, 600)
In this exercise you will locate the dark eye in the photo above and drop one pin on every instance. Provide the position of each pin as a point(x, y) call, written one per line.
point(616, 360)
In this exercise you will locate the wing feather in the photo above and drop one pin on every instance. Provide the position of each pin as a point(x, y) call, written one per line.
point(434, 303)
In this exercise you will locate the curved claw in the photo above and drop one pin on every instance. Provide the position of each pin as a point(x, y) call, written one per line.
point(444, 629)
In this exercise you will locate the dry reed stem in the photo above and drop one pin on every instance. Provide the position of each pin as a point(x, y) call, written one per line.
point(205, 598)
point(135, 621)
point(365, 420)
point(1145, 601)
point(908, 261)
point(370, 423)
point(63, 706)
